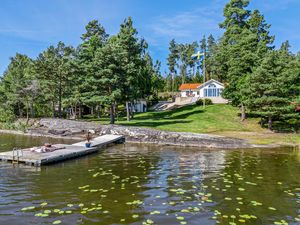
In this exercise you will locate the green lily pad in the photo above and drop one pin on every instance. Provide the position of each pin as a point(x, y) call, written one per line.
point(180, 217)
point(28, 208)
point(272, 208)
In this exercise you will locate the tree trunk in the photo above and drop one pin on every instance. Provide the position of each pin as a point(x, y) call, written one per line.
point(75, 111)
point(32, 112)
point(53, 109)
point(116, 111)
point(27, 113)
point(80, 111)
point(99, 111)
point(20, 110)
point(70, 115)
point(173, 82)
point(112, 114)
point(127, 111)
point(261, 122)
point(92, 111)
point(59, 100)
point(131, 110)
point(270, 123)
point(243, 112)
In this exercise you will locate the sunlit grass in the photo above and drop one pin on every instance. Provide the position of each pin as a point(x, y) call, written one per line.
point(214, 119)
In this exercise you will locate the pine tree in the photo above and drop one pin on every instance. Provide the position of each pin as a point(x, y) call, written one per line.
point(245, 41)
point(95, 37)
point(210, 63)
point(136, 77)
point(158, 83)
point(185, 62)
point(269, 87)
point(16, 78)
point(110, 61)
point(259, 27)
point(172, 62)
point(55, 72)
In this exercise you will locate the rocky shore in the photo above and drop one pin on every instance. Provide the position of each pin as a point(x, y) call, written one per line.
point(70, 129)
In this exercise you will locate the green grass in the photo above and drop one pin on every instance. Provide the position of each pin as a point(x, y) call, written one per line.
point(214, 119)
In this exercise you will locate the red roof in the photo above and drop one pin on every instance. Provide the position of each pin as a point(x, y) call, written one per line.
point(189, 86)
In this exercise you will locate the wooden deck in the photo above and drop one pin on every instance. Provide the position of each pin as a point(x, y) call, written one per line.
point(70, 151)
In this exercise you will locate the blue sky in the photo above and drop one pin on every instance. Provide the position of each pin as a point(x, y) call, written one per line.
point(30, 26)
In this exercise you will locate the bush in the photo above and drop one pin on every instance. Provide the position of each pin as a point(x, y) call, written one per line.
point(153, 100)
point(6, 115)
point(165, 96)
point(207, 101)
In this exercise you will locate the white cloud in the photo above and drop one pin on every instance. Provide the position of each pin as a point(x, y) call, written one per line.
point(188, 25)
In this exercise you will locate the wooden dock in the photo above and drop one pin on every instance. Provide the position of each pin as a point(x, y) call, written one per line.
point(68, 152)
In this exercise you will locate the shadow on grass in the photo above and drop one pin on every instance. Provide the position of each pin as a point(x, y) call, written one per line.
point(190, 110)
point(154, 123)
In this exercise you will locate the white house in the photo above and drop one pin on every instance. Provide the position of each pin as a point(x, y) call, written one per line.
point(140, 105)
point(211, 89)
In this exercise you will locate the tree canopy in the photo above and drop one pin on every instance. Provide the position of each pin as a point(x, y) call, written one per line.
point(101, 73)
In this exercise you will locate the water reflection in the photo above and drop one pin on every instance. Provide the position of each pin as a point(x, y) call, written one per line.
point(135, 184)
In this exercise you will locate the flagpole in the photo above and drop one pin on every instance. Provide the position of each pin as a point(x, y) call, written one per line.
point(197, 56)
point(204, 74)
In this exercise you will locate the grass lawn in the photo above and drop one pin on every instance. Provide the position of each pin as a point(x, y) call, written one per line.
point(214, 119)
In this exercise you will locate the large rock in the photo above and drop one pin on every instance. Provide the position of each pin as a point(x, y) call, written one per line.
point(144, 135)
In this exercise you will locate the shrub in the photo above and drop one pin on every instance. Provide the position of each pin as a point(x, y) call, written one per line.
point(6, 115)
point(153, 100)
point(207, 101)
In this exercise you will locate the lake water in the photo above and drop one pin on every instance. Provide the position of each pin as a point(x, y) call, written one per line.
point(147, 184)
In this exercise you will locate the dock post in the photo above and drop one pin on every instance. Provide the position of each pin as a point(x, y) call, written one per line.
point(14, 154)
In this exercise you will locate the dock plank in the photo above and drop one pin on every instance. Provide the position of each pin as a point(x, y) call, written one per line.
point(105, 139)
point(69, 151)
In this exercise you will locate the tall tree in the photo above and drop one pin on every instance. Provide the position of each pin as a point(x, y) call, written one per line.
point(54, 69)
point(246, 39)
point(172, 62)
point(185, 62)
point(210, 63)
point(234, 38)
point(110, 61)
point(94, 38)
point(157, 80)
point(135, 75)
point(259, 27)
point(268, 89)
point(203, 49)
point(18, 76)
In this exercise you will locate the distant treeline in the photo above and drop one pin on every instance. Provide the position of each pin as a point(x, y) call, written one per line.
point(262, 81)
point(105, 73)
point(101, 73)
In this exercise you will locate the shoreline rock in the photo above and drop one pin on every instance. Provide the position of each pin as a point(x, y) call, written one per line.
point(75, 130)
point(65, 128)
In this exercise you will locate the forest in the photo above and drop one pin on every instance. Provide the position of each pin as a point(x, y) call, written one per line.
point(100, 74)
point(107, 73)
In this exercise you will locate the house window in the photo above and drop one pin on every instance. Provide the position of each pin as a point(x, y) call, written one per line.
point(198, 93)
point(212, 91)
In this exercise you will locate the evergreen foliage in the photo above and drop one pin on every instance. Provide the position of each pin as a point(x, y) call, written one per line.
point(259, 79)
point(102, 73)
point(107, 73)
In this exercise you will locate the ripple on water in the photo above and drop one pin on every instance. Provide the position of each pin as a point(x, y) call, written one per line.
point(131, 184)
